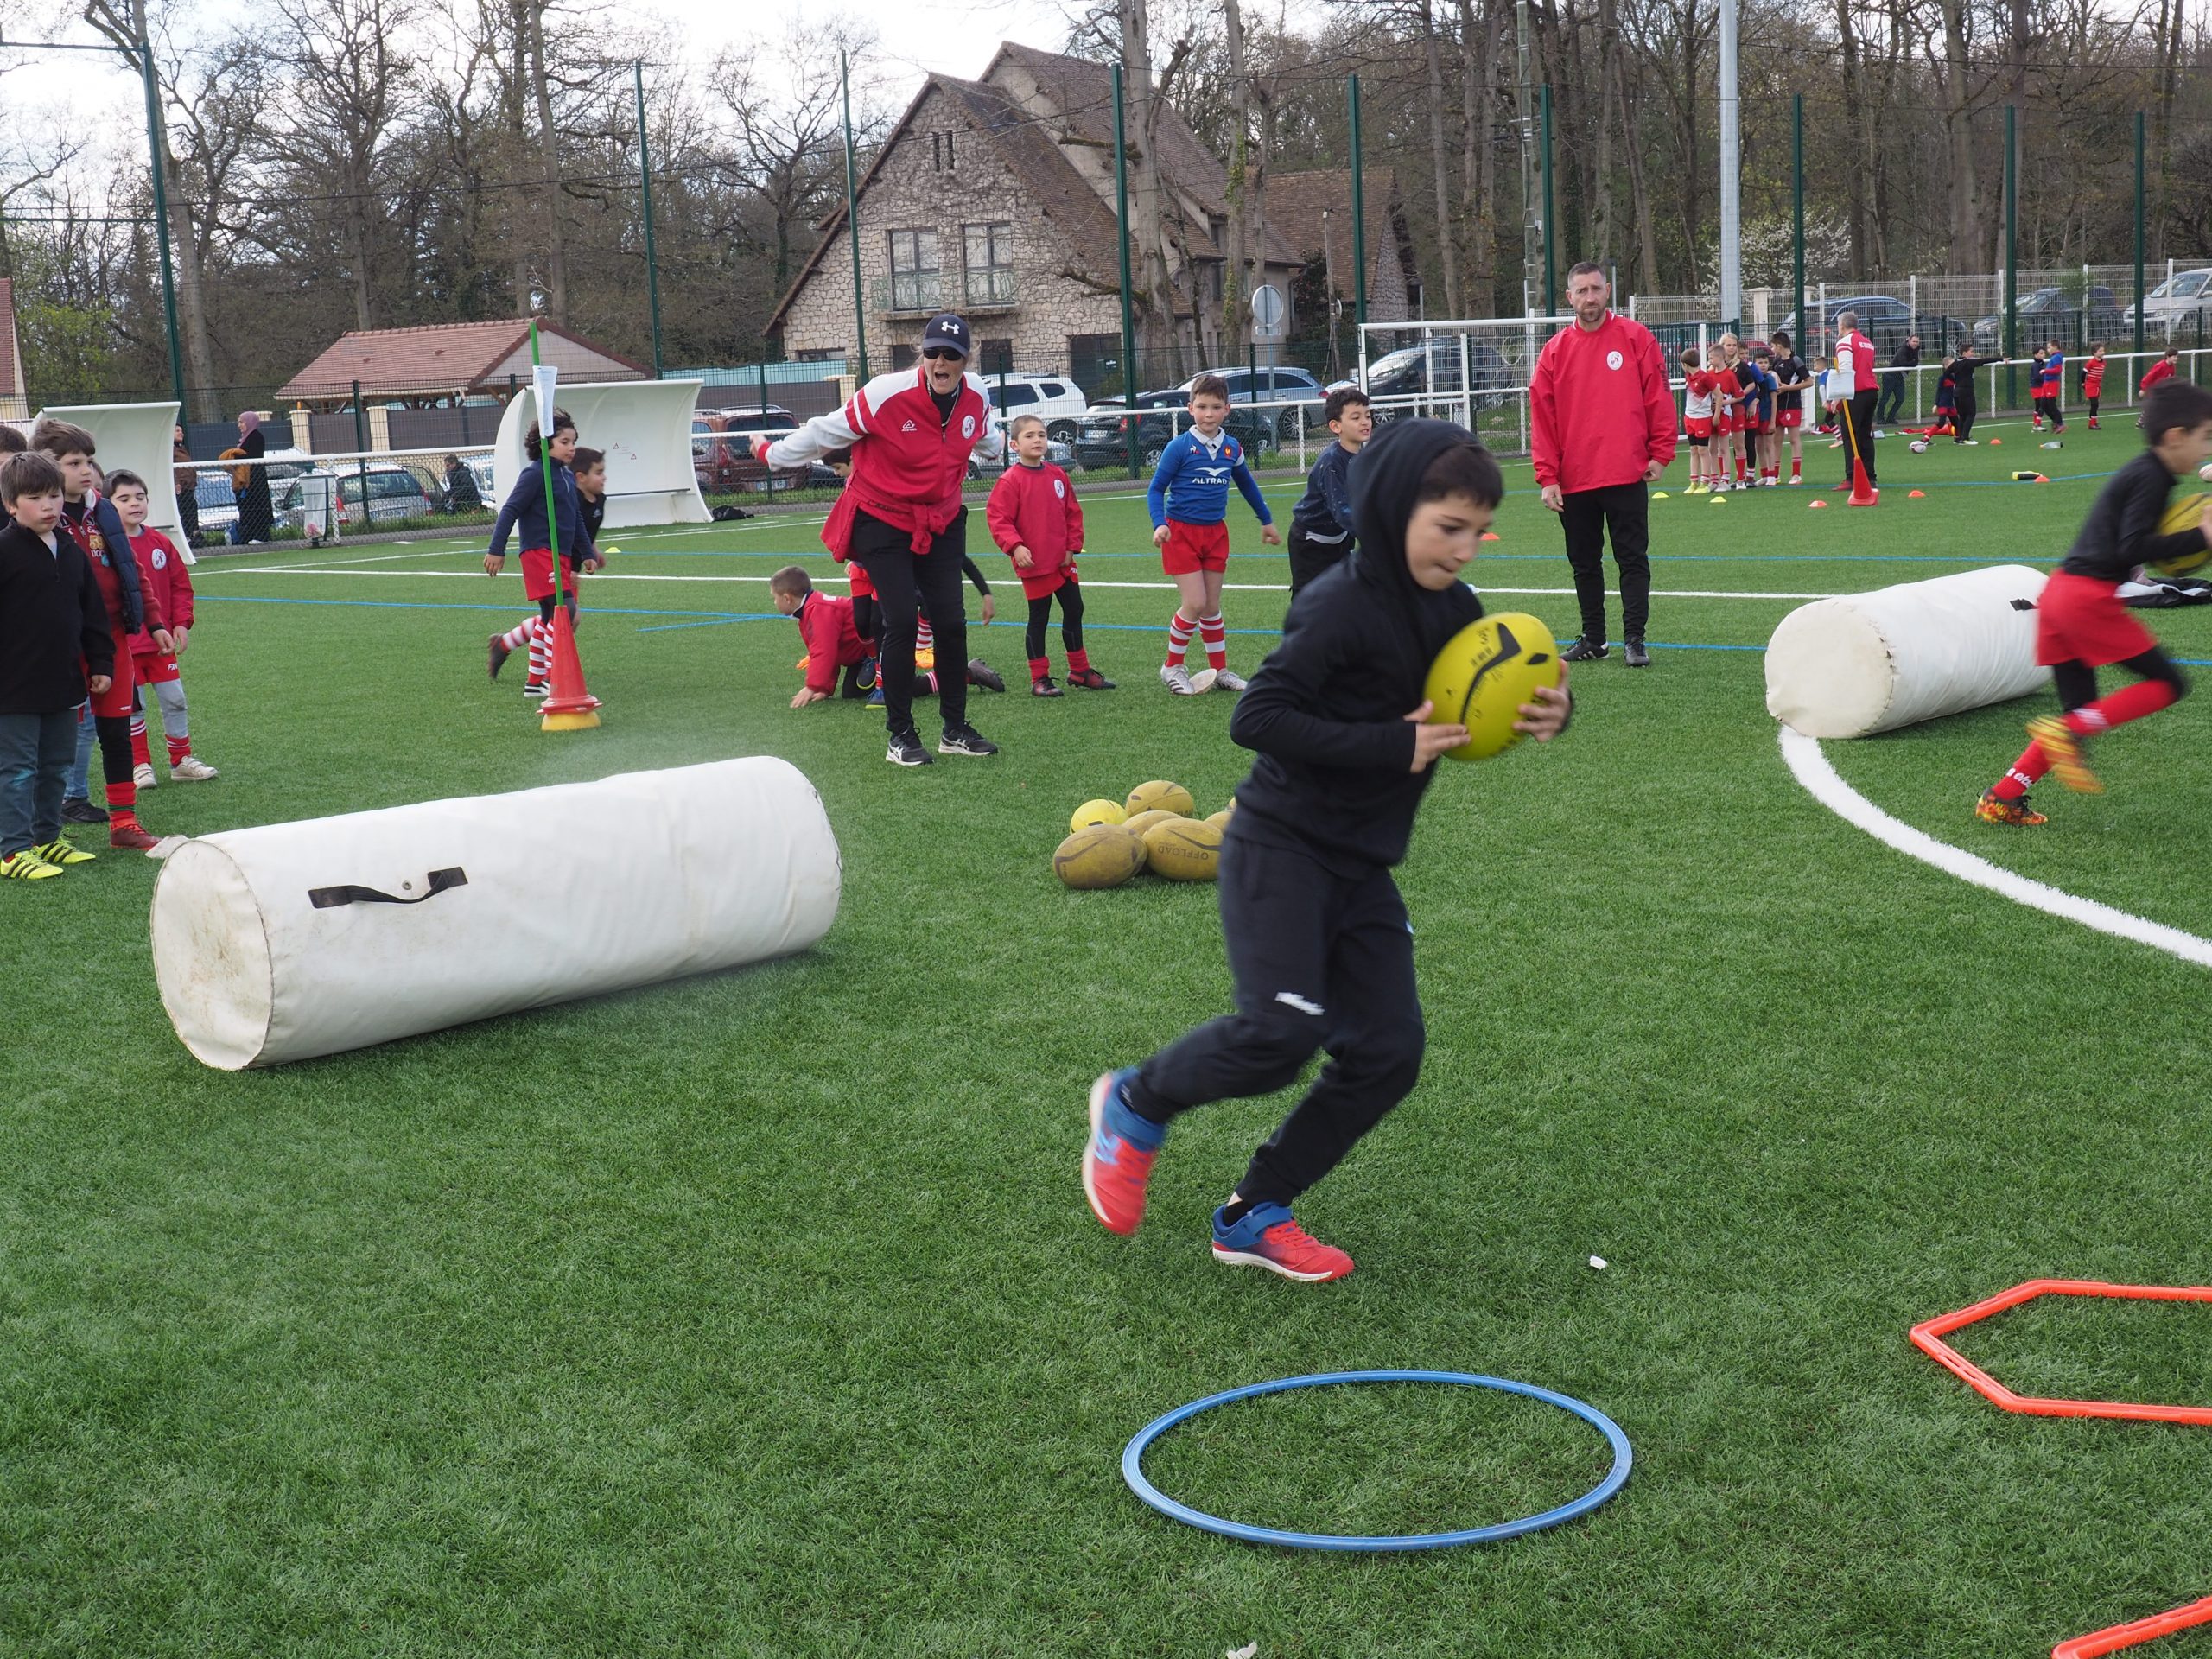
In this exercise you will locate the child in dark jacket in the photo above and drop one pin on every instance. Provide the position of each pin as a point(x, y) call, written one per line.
point(524, 515)
point(1318, 938)
point(53, 627)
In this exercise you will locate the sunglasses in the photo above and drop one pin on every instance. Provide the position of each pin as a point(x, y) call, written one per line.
point(937, 352)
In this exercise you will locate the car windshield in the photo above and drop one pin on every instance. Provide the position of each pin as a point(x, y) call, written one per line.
point(2190, 286)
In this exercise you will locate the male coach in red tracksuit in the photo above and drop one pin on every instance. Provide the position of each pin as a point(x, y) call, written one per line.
point(910, 433)
point(1601, 421)
point(1854, 356)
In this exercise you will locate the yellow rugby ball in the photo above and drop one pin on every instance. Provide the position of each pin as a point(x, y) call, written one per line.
point(1161, 795)
point(2184, 514)
point(1096, 812)
point(1098, 855)
point(1142, 821)
point(1184, 849)
point(1483, 675)
point(1220, 820)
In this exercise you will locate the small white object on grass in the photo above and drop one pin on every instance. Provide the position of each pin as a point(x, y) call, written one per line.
point(2205, 472)
point(1249, 1650)
point(1599, 1263)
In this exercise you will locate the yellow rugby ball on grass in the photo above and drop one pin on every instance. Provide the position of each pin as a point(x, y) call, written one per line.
point(1483, 675)
point(1098, 855)
point(2185, 514)
point(1184, 849)
point(1161, 795)
point(1097, 812)
point(1143, 822)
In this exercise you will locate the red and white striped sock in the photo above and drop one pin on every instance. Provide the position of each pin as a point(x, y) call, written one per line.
point(1179, 629)
point(179, 749)
point(541, 653)
point(519, 635)
point(925, 636)
point(138, 754)
point(1215, 634)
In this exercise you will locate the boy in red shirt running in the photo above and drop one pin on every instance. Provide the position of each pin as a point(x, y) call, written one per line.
point(2092, 380)
point(1038, 523)
point(2080, 624)
point(2158, 373)
point(161, 573)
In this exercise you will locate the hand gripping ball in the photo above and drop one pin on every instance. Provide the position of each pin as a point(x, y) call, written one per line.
point(2184, 514)
point(1481, 678)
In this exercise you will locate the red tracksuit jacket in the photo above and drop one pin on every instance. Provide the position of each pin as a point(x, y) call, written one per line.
point(1035, 507)
point(1599, 407)
point(832, 641)
point(162, 573)
point(908, 464)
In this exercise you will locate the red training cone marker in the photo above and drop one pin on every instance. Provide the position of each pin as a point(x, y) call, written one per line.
point(2040, 478)
point(568, 706)
point(1993, 443)
point(1819, 504)
point(1492, 536)
point(1915, 495)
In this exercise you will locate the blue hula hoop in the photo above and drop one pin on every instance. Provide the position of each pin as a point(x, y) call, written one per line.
point(1616, 1478)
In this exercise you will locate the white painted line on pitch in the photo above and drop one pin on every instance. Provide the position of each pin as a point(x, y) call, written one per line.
point(1159, 587)
point(1827, 787)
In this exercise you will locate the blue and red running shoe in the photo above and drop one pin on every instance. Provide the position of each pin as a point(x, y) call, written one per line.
point(1117, 1158)
point(1269, 1236)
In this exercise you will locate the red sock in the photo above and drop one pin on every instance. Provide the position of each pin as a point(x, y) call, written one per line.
point(123, 802)
point(1796, 467)
point(1179, 630)
point(179, 749)
point(2026, 772)
point(1079, 662)
point(1216, 633)
point(1040, 668)
point(2129, 702)
point(138, 752)
point(1740, 467)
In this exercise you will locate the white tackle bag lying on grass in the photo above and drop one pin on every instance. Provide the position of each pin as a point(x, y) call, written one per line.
point(295, 940)
point(1864, 663)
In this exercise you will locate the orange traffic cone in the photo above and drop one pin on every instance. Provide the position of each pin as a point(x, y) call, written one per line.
point(567, 706)
point(1915, 495)
point(1862, 492)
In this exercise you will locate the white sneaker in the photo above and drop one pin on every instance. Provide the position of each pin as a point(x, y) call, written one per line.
point(1177, 678)
point(1228, 681)
point(142, 777)
point(192, 770)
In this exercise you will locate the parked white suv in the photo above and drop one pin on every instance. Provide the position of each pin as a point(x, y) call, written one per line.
point(2182, 298)
point(1058, 399)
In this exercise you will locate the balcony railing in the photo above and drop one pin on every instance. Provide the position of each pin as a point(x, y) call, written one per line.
point(918, 293)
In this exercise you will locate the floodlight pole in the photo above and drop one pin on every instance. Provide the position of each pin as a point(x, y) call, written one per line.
point(2136, 373)
point(1551, 241)
point(645, 182)
point(1358, 217)
point(2011, 263)
point(1122, 239)
point(1732, 241)
point(852, 214)
point(1797, 214)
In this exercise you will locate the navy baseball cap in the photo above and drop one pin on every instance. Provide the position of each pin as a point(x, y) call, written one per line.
point(947, 330)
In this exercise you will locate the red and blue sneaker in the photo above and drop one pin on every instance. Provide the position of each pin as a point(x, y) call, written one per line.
point(1117, 1158)
point(1269, 1236)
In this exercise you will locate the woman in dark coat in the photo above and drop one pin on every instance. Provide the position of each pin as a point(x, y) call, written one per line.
point(257, 518)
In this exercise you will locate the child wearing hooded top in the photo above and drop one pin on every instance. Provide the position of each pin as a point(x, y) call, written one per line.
point(1318, 939)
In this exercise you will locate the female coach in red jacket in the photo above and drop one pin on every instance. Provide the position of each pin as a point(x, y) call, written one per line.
point(1601, 423)
point(910, 433)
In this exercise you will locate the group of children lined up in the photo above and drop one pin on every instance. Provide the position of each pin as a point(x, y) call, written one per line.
point(94, 605)
point(1036, 521)
point(1956, 405)
point(1739, 402)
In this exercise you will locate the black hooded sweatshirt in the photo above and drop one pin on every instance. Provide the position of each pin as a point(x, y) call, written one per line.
point(1326, 712)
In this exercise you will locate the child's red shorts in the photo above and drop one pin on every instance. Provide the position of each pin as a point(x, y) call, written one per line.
point(154, 668)
point(1193, 547)
point(1789, 417)
point(119, 699)
point(1048, 582)
point(2080, 619)
point(1698, 427)
point(1723, 424)
point(538, 575)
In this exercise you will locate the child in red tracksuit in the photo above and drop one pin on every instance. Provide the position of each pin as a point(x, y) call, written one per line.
point(2092, 380)
point(833, 641)
point(161, 572)
point(1038, 523)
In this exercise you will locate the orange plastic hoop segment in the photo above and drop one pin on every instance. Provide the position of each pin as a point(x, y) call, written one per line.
point(2132, 1635)
point(1927, 1337)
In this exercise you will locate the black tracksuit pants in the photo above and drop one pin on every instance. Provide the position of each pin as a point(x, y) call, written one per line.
point(1859, 440)
point(1321, 962)
point(1585, 516)
point(903, 581)
point(1309, 558)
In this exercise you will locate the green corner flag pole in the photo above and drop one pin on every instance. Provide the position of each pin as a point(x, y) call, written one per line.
point(543, 380)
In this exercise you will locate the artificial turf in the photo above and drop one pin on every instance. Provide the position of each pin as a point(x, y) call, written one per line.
point(762, 1314)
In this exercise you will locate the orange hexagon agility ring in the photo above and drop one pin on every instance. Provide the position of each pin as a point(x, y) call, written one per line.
point(1927, 1337)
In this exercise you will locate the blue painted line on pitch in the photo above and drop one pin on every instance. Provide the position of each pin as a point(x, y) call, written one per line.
point(431, 605)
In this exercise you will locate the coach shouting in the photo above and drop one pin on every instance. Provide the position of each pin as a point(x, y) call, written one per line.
point(1601, 422)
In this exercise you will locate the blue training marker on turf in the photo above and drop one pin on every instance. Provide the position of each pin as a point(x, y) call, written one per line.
point(1616, 1478)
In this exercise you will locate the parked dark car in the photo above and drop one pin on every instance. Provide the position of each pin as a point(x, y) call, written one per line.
point(2049, 311)
point(1883, 319)
point(1280, 383)
point(724, 465)
point(1432, 368)
point(1101, 439)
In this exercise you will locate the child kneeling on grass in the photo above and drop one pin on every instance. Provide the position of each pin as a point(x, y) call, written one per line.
point(1037, 522)
point(1318, 938)
point(2080, 624)
point(53, 626)
point(833, 639)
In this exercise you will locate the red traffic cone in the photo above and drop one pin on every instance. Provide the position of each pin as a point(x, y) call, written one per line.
point(567, 706)
point(1862, 491)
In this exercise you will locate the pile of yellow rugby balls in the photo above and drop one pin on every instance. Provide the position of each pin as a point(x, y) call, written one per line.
point(1114, 841)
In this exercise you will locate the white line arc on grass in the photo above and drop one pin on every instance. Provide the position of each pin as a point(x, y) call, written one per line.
point(1813, 769)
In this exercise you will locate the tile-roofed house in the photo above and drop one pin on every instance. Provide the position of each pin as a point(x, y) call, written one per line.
point(1312, 213)
point(994, 198)
point(14, 403)
point(448, 359)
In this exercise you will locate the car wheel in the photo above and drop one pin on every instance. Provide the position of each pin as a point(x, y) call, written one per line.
point(1153, 452)
point(1062, 432)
